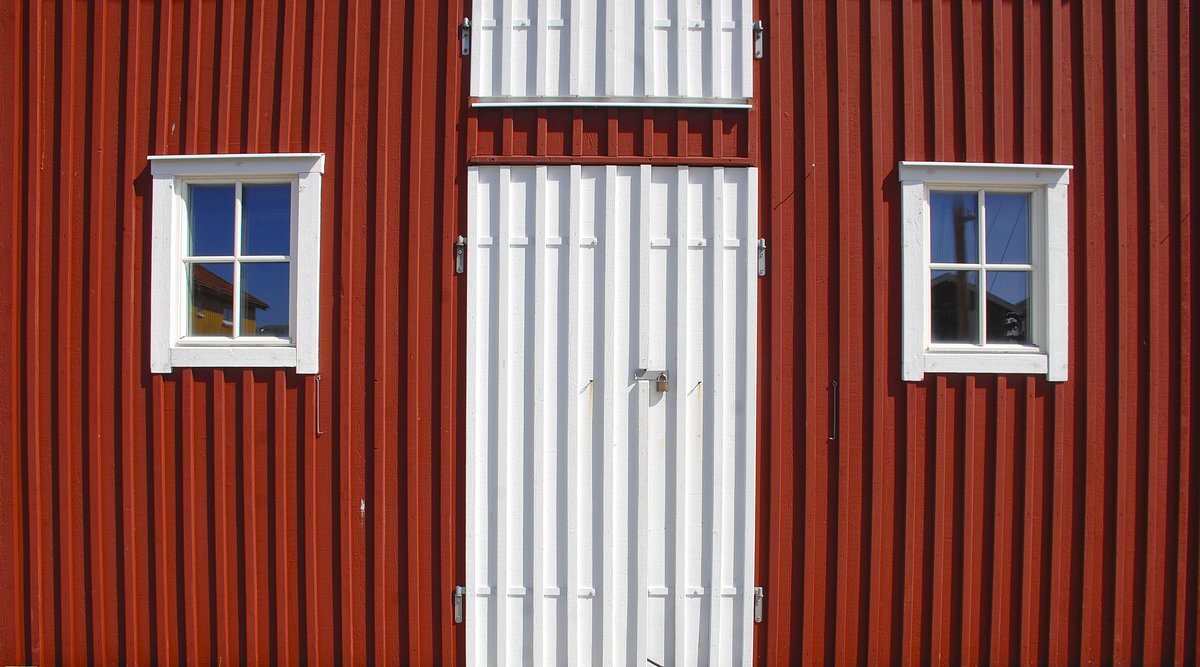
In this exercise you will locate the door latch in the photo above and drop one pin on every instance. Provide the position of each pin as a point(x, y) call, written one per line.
point(460, 592)
point(460, 254)
point(661, 378)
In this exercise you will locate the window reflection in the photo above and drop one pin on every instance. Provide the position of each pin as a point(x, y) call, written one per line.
point(265, 290)
point(954, 224)
point(266, 219)
point(1007, 227)
point(211, 220)
point(210, 287)
point(1007, 306)
point(261, 306)
point(955, 303)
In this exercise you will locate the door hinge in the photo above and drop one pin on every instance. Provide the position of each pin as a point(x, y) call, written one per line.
point(758, 40)
point(460, 593)
point(460, 254)
point(464, 36)
point(762, 257)
point(758, 604)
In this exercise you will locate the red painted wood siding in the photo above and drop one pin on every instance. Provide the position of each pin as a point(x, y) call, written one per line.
point(970, 519)
point(198, 517)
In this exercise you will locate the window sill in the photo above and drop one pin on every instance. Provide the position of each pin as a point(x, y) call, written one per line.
point(232, 356)
point(999, 361)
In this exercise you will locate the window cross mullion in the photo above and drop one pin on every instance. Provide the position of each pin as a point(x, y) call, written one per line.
point(981, 290)
point(237, 253)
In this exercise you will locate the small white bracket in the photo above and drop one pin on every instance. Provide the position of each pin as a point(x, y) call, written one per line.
point(762, 257)
point(464, 36)
point(758, 604)
point(758, 39)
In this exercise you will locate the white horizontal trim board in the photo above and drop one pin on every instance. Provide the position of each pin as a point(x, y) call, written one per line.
point(579, 477)
point(600, 52)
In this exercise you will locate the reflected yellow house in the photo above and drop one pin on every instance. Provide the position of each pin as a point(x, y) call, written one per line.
point(212, 305)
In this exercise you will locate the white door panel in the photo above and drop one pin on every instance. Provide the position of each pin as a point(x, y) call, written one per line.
point(607, 521)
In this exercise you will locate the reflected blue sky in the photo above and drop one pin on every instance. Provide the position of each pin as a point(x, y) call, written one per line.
point(212, 208)
point(1007, 239)
point(266, 219)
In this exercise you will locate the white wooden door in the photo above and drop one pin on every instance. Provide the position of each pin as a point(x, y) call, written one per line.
point(610, 522)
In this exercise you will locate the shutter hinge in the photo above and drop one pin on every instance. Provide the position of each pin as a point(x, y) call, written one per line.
point(758, 604)
point(762, 257)
point(460, 254)
point(464, 36)
point(758, 39)
point(460, 593)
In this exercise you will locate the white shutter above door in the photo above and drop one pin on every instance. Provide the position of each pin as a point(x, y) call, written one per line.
point(612, 52)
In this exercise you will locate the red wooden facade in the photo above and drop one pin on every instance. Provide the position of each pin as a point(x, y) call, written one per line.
point(199, 517)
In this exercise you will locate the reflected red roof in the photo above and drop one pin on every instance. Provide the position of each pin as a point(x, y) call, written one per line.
point(206, 278)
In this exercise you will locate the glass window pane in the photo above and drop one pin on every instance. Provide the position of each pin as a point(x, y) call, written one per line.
point(211, 225)
point(1007, 227)
point(954, 227)
point(266, 294)
point(266, 219)
point(955, 301)
point(1007, 306)
point(210, 311)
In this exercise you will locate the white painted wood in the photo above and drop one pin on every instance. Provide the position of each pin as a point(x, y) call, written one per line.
point(171, 175)
point(682, 53)
point(609, 522)
point(1047, 354)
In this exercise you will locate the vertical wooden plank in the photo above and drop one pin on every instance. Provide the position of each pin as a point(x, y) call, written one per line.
point(716, 404)
point(641, 288)
point(537, 431)
point(883, 612)
point(14, 493)
point(1125, 225)
point(503, 435)
point(1095, 339)
point(683, 560)
point(1187, 635)
point(1003, 524)
point(847, 340)
point(420, 317)
point(817, 251)
point(1157, 261)
point(68, 353)
point(575, 438)
point(942, 615)
point(385, 501)
point(608, 433)
point(1031, 567)
point(1066, 533)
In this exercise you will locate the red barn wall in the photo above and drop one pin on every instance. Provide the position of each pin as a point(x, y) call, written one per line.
point(199, 516)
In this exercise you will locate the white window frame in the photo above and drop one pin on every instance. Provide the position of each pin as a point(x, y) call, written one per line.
point(172, 175)
point(1046, 352)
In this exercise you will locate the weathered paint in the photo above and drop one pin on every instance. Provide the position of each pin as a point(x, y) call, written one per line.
point(198, 515)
